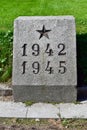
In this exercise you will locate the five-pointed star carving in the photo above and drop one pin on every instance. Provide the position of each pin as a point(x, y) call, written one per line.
point(43, 32)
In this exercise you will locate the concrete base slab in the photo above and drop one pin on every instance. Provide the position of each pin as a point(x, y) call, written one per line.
point(45, 93)
point(11, 109)
point(43, 110)
point(73, 110)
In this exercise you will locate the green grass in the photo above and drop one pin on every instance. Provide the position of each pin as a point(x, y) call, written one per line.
point(6, 40)
point(44, 124)
point(75, 124)
point(11, 9)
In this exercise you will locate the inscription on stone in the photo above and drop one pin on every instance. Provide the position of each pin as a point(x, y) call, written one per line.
point(44, 59)
point(50, 52)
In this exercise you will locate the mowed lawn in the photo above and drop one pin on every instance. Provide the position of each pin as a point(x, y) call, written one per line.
point(10, 9)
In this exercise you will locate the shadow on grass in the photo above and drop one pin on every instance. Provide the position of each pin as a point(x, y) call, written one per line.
point(82, 59)
point(82, 66)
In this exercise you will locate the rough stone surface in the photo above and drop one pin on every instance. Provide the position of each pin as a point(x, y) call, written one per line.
point(73, 110)
point(40, 110)
point(45, 94)
point(43, 110)
point(44, 59)
point(11, 109)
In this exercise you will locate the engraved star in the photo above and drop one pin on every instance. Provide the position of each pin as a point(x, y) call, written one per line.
point(43, 32)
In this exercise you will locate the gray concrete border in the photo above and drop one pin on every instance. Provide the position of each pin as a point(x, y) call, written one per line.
point(43, 110)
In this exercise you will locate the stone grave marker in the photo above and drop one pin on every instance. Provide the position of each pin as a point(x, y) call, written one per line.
point(44, 59)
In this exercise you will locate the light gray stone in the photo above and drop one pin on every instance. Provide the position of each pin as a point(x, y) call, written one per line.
point(73, 110)
point(43, 110)
point(11, 109)
point(57, 73)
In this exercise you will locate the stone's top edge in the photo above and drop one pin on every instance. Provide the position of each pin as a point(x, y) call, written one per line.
point(43, 17)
